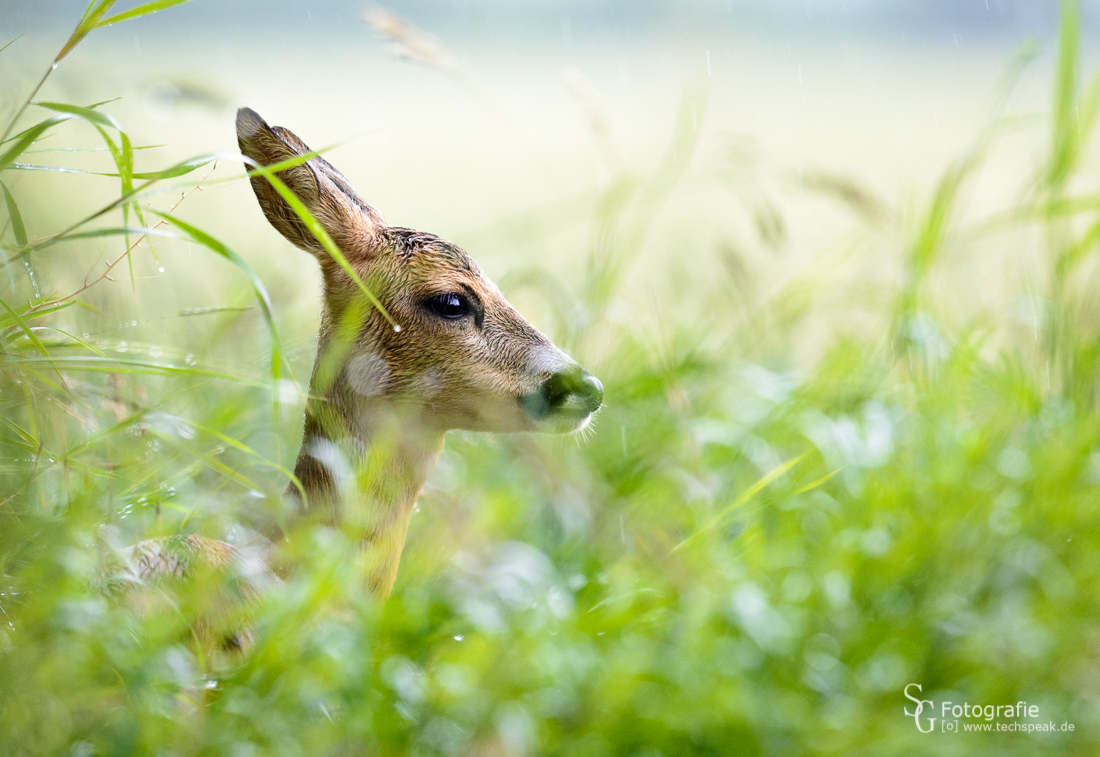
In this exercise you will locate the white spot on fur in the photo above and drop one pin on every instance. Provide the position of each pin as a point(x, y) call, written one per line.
point(547, 359)
point(368, 374)
point(334, 460)
point(429, 383)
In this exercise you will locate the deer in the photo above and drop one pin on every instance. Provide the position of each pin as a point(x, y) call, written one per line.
point(417, 343)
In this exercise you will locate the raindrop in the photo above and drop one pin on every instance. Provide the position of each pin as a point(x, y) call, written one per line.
point(53, 67)
point(397, 327)
point(161, 269)
point(459, 637)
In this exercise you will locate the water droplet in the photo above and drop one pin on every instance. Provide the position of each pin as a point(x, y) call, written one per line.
point(53, 67)
point(161, 269)
point(459, 637)
point(133, 323)
point(397, 327)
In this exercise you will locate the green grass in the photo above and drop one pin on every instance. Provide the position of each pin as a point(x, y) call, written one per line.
point(748, 556)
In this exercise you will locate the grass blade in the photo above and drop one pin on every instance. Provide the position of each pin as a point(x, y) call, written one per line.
point(7, 320)
point(141, 10)
point(88, 114)
point(27, 137)
point(168, 173)
point(278, 356)
point(1064, 151)
point(93, 14)
point(744, 497)
point(124, 366)
point(75, 338)
point(21, 322)
point(17, 226)
point(112, 231)
point(5, 47)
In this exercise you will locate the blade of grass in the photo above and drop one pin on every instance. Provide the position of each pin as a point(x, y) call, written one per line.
point(93, 14)
point(19, 320)
point(28, 136)
point(124, 166)
point(86, 149)
point(141, 10)
point(111, 231)
point(18, 229)
point(116, 365)
point(1065, 137)
point(93, 106)
point(16, 39)
point(208, 459)
point(278, 356)
point(744, 497)
point(30, 316)
point(166, 174)
point(90, 115)
point(252, 453)
point(75, 338)
point(17, 226)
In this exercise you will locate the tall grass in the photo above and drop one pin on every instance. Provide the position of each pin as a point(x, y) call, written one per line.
point(744, 558)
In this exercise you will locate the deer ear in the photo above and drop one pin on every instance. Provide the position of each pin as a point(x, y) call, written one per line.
point(352, 223)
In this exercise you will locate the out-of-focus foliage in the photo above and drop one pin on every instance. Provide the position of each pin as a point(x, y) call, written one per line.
point(743, 559)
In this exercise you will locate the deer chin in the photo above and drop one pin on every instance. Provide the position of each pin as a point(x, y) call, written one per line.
point(566, 419)
point(562, 423)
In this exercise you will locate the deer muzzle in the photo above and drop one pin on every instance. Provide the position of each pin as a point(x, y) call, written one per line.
point(565, 400)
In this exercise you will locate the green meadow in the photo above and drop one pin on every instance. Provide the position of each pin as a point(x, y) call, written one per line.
point(850, 442)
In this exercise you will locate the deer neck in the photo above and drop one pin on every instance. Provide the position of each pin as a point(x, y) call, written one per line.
point(362, 465)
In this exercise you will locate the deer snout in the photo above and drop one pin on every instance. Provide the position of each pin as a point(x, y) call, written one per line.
point(571, 395)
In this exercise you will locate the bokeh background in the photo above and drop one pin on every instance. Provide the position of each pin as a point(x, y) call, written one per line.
point(834, 262)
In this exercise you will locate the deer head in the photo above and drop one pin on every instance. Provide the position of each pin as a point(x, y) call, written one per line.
point(463, 358)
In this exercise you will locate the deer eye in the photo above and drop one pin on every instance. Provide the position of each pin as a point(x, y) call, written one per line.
point(448, 305)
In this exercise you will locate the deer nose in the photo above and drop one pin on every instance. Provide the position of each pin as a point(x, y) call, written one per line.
point(574, 390)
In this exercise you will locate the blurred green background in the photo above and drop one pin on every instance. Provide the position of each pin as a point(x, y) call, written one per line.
point(835, 263)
